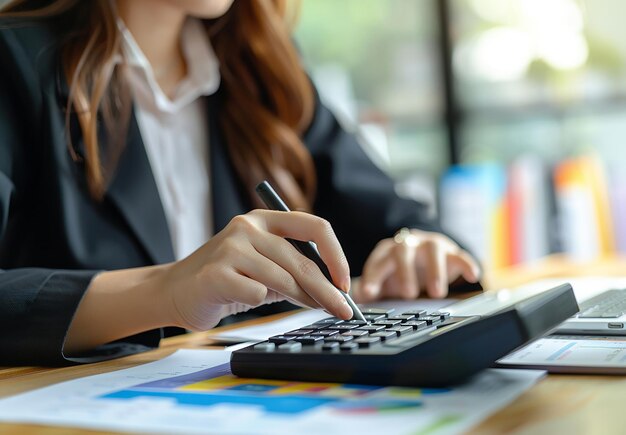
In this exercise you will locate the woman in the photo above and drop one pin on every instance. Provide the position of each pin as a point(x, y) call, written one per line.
point(131, 135)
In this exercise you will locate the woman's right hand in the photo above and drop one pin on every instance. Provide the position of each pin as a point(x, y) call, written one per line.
point(250, 262)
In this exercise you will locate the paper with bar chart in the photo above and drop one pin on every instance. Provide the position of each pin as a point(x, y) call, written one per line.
point(572, 354)
point(193, 391)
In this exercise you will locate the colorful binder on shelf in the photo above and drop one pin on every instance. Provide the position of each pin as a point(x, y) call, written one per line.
point(473, 209)
point(583, 203)
point(528, 209)
point(505, 215)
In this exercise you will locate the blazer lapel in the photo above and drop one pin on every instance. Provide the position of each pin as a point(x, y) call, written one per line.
point(132, 190)
point(229, 196)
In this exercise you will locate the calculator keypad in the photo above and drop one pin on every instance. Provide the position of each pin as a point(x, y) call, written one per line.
point(335, 335)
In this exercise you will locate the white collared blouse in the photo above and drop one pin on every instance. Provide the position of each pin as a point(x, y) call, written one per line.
point(175, 133)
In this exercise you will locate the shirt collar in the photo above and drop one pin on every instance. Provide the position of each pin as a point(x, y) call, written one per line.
point(203, 75)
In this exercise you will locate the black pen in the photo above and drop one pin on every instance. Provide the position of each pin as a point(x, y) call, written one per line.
point(274, 202)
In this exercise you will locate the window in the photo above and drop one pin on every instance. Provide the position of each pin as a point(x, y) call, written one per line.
point(490, 82)
point(376, 63)
point(546, 77)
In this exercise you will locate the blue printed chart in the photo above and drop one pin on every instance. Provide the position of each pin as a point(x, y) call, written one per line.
point(193, 391)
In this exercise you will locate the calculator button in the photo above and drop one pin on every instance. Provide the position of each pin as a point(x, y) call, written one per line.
point(377, 311)
point(329, 321)
point(355, 333)
point(416, 324)
point(401, 330)
point(416, 313)
point(331, 346)
point(374, 317)
point(325, 333)
point(280, 339)
point(384, 335)
point(339, 339)
point(290, 346)
point(371, 328)
point(308, 339)
point(387, 323)
point(403, 317)
point(443, 315)
point(343, 327)
point(431, 320)
point(265, 347)
point(367, 341)
point(314, 327)
point(355, 322)
point(348, 347)
point(299, 332)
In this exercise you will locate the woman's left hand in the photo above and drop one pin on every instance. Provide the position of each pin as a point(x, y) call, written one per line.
point(413, 260)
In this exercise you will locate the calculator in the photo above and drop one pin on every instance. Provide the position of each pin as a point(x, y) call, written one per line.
point(405, 348)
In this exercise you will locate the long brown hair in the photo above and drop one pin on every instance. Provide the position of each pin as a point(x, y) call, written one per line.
point(266, 98)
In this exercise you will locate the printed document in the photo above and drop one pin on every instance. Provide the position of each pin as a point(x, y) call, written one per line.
point(193, 391)
point(572, 354)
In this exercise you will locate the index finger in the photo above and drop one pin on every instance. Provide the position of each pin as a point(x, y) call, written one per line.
point(307, 227)
point(434, 258)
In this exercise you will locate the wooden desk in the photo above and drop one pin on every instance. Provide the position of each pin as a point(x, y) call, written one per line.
point(558, 404)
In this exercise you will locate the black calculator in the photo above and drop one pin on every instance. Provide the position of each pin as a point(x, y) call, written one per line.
point(412, 348)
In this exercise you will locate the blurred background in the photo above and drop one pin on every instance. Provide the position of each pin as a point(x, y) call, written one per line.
point(507, 116)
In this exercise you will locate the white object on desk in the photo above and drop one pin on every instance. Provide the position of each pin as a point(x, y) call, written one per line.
point(493, 300)
point(584, 288)
point(571, 354)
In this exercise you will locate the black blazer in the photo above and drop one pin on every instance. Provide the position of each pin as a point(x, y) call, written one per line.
point(54, 237)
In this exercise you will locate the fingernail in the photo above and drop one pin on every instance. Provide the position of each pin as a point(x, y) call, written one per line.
point(438, 285)
point(476, 271)
point(346, 311)
point(345, 285)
